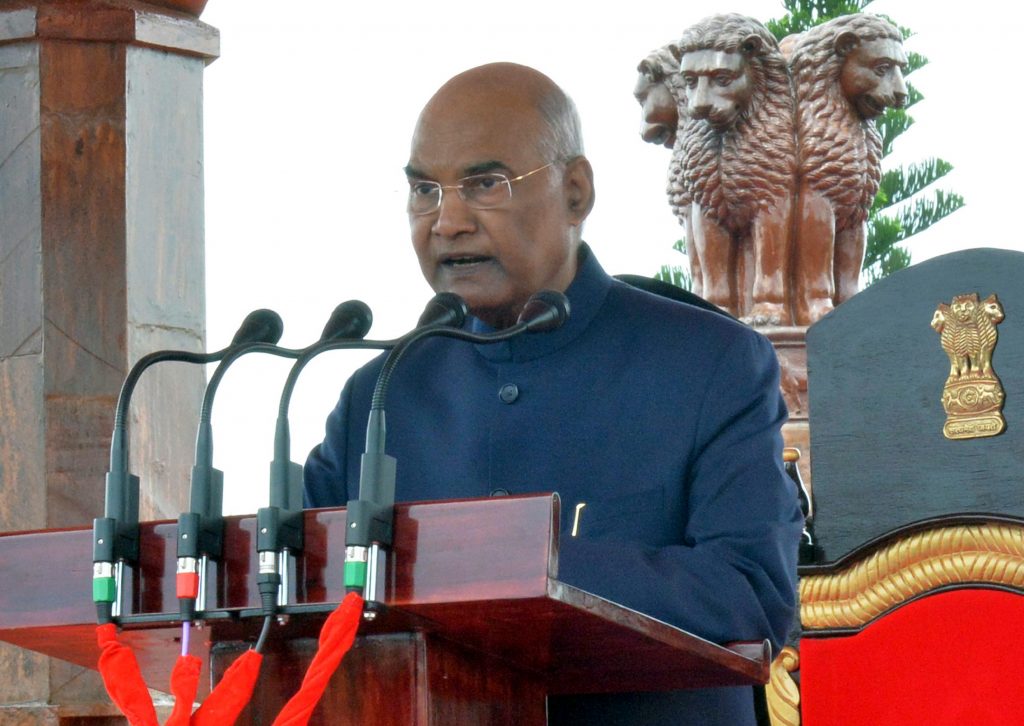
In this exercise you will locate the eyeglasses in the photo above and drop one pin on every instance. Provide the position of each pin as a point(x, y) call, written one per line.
point(480, 191)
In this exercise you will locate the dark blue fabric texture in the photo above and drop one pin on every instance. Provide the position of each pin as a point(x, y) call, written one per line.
point(663, 418)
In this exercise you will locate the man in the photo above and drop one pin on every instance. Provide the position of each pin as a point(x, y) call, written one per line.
point(663, 419)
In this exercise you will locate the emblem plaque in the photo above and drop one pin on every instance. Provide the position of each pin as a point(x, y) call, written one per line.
point(973, 395)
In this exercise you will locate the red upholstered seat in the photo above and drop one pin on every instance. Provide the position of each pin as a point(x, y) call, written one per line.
point(953, 657)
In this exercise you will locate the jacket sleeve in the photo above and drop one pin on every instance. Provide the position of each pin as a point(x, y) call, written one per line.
point(733, 575)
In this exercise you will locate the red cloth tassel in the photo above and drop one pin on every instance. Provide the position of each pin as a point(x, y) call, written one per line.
point(184, 684)
point(123, 679)
point(226, 701)
point(336, 637)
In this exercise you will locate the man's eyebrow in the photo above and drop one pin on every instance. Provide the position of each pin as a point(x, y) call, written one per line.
point(484, 167)
point(412, 172)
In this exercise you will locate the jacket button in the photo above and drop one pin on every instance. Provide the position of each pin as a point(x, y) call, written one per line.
point(499, 492)
point(509, 393)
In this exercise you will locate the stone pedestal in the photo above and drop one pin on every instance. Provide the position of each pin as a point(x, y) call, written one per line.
point(791, 347)
point(101, 261)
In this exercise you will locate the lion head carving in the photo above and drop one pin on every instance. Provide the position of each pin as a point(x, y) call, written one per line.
point(736, 144)
point(846, 72)
point(653, 91)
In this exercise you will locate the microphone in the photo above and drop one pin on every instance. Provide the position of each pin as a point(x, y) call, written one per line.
point(445, 308)
point(546, 310)
point(259, 326)
point(279, 526)
point(370, 519)
point(200, 529)
point(351, 320)
point(116, 534)
point(279, 530)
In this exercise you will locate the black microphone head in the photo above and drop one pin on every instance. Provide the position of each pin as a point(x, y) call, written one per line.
point(445, 308)
point(259, 326)
point(545, 310)
point(350, 321)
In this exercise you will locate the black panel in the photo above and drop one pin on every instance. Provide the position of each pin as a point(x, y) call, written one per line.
point(876, 372)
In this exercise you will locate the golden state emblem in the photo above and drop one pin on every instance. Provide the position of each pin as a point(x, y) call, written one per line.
point(973, 396)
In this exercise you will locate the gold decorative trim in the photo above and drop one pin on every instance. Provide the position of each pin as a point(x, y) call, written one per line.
point(990, 553)
point(782, 693)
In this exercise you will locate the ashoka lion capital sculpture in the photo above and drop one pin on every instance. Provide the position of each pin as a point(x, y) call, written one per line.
point(775, 163)
point(736, 150)
point(845, 72)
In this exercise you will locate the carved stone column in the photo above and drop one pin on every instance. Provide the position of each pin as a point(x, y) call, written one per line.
point(101, 261)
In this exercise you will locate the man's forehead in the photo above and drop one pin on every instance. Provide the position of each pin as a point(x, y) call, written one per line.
point(471, 139)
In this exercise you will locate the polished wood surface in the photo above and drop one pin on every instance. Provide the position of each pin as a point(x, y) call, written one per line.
point(478, 573)
point(411, 678)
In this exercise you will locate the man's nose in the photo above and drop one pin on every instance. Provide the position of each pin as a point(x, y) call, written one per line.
point(454, 216)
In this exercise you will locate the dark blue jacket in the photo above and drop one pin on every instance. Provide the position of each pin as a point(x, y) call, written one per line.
point(663, 418)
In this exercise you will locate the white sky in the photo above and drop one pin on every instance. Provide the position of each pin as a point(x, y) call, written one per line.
point(308, 114)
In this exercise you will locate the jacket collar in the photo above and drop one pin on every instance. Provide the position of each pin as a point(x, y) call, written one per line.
point(586, 295)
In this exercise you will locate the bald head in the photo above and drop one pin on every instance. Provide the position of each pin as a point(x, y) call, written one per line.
point(511, 132)
point(501, 86)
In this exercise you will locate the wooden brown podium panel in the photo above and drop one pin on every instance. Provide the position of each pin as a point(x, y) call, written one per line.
point(407, 679)
point(475, 616)
point(580, 643)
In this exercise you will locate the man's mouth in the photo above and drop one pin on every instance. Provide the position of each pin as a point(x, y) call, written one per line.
point(456, 262)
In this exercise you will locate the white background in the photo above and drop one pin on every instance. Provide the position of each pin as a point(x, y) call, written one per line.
point(308, 115)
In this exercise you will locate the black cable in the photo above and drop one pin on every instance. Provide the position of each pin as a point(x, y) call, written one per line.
point(264, 632)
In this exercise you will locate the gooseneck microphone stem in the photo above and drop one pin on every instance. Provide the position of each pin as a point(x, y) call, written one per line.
point(200, 530)
point(116, 534)
point(200, 535)
point(380, 390)
point(279, 526)
point(118, 450)
point(370, 518)
point(545, 310)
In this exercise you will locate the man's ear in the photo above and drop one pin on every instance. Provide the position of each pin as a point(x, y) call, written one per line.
point(579, 188)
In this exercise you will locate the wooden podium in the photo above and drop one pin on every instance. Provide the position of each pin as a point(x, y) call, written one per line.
point(477, 629)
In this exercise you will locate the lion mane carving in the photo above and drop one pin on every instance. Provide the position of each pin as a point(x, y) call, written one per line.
point(735, 158)
point(656, 92)
point(845, 73)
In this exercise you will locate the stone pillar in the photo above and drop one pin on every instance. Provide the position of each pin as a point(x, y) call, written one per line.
point(101, 262)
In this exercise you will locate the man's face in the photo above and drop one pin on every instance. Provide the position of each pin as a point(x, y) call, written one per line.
point(494, 258)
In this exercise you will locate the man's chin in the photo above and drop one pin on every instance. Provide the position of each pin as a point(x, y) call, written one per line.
point(498, 316)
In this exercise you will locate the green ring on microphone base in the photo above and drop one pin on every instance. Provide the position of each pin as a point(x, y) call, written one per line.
point(355, 574)
point(104, 589)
